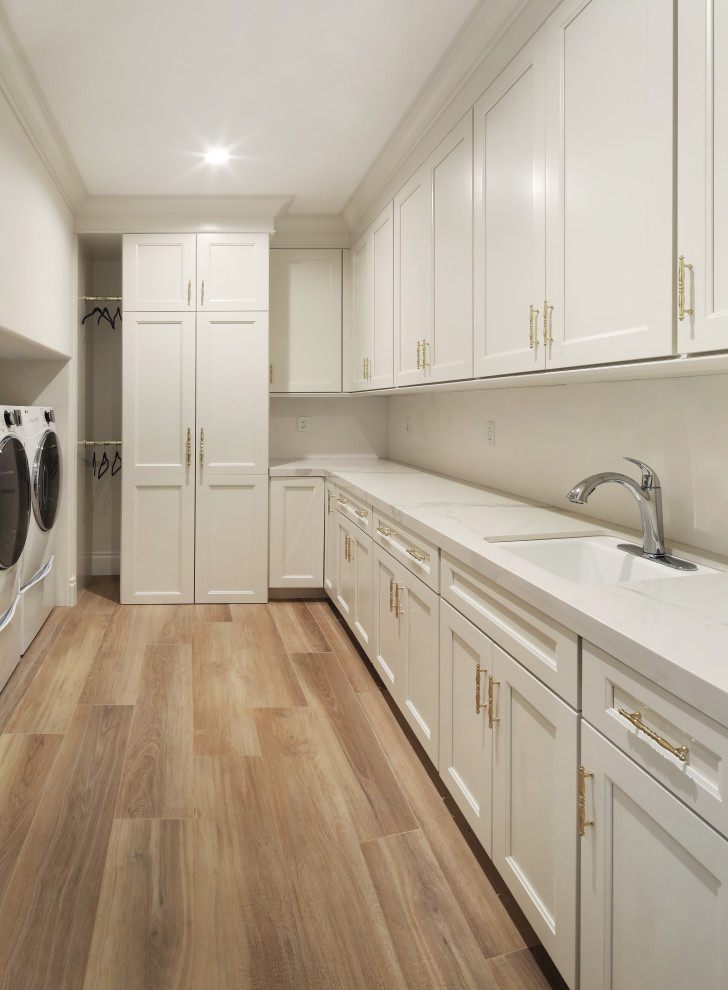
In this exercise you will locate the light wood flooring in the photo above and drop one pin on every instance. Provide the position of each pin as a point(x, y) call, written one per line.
point(222, 798)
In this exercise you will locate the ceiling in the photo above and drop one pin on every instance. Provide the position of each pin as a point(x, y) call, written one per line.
point(303, 93)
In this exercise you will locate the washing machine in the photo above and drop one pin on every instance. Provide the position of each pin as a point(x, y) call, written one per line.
point(15, 512)
point(37, 588)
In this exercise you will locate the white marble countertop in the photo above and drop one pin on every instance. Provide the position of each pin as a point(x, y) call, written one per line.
point(672, 630)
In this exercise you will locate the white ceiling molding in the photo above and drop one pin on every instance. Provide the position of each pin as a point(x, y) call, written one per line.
point(304, 230)
point(20, 87)
point(150, 214)
point(493, 34)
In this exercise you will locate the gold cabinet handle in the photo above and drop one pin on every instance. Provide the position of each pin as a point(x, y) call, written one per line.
point(189, 446)
point(398, 610)
point(491, 717)
point(361, 513)
point(425, 362)
point(419, 555)
point(478, 703)
point(270, 374)
point(202, 293)
point(391, 594)
point(384, 531)
point(342, 500)
point(189, 292)
point(369, 370)
point(328, 502)
point(533, 329)
point(202, 446)
point(681, 288)
point(419, 344)
point(548, 320)
point(635, 718)
point(583, 820)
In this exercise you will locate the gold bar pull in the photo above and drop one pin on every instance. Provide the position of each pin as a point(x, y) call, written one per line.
point(202, 446)
point(384, 531)
point(425, 362)
point(533, 330)
point(478, 671)
point(419, 555)
point(364, 368)
point(548, 319)
point(361, 513)
point(398, 610)
point(342, 500)
point(635, 718)
point(391, 594)
point(583, 820)
point(491, 717)
point(681, 288)
point(419, 364)
point(270, 373)
point(189, 292)
point(328, 502)
point(189, 446)
point(202, 293)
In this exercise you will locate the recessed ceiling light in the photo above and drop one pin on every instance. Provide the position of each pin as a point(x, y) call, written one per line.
point(217, 156)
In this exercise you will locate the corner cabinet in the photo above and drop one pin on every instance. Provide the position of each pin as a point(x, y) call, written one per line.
point(195, 431)
point(296, 532)
point(305, 320)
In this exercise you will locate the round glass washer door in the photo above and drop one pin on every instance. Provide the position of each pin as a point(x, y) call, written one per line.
point(47, 480)
point(14, 500)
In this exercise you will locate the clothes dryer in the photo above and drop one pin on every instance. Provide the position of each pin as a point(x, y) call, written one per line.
point(15, 514)
point(37, 590)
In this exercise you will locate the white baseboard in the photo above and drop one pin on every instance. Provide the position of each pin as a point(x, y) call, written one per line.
point(105, 563)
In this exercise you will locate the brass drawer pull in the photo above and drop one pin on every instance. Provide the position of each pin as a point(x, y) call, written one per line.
point(391, 594)
point(478, 671)
point(635, 718)
point(583, 820)
point(548, 322)
point(491, 717)
point(189, 446)
point(361, 513)
point(202, 446)
point(328, 502)
point(419, 555)
point(343, 501)
point(398, 610)
point(384, 531)
point(533, 329)
point(202, 293)
point(681, 288)
point(189, 292)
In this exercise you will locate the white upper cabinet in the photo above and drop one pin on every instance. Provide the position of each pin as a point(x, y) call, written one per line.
point(509, 217)
point(702, 157)
point(195, 272)
point(305, 320)
point(159, 272)
point(371, 334)
point(433, 265)
point(609, 181)
point(232, 272)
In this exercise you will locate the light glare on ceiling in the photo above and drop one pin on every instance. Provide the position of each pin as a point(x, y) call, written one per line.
point(217, 156)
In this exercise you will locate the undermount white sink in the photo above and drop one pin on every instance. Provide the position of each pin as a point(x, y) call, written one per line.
point(592, 560)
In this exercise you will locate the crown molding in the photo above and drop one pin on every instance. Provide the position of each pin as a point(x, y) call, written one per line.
point(312, 230)
point(150, 214)
point(21, 89)
point(491, 36)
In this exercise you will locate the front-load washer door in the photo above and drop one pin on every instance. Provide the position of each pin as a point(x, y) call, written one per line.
point(47, 480)
point(14, 500)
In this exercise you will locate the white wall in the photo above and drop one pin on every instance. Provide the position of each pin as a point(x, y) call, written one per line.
point(351, 425)
point(550, 437)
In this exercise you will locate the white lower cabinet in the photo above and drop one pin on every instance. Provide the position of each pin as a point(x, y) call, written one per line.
point(654, 882)
point(296, 532)
point(353, 579)
point(330, 538)
point(406, 647)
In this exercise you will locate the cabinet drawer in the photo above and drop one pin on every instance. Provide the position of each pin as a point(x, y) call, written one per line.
point(545, 647)
point(354, 509)
point(417, 554)
point(609, 686)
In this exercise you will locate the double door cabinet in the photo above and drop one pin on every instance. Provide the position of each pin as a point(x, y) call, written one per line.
point(195, 424)
point(601, 798)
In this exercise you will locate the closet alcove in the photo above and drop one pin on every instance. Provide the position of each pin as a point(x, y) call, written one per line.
point(99, 405)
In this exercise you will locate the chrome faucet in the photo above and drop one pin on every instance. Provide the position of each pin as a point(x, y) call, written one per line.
point(648, 495)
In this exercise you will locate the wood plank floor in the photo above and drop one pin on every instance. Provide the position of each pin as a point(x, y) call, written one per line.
point(223, 798)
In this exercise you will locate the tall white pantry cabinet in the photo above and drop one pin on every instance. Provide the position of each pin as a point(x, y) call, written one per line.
point(195, 418)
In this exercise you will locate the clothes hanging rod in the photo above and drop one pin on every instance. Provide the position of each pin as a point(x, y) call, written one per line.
point(102, 298)
point(100, 443)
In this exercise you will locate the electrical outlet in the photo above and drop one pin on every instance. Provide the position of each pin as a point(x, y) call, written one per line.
point(491, 433)
point(408, 426)
point(302, 424)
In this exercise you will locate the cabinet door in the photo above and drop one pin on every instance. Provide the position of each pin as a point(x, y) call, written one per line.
point(509, 217)
point(158, 272)
point(412, 275)
point(466, 738)
point(381, 358)
point(330, 540)
point(231, 545)
point(344, 568)
point(702, 164)
point(232, 272)
point(449, 349)
point(158, 481)
point(420, 612)
point(609, 181)
point(388, 645)
point(654, 882)
point(305, 320)
point(534, 806)
point(361, 282)
point(232, 394)
point(296, 532)
point(360, 617)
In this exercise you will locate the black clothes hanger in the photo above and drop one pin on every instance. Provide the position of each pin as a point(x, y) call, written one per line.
point(104, 314)
point(92, 313)
point(116, 466)
point(103, 466)
point(93, 464)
